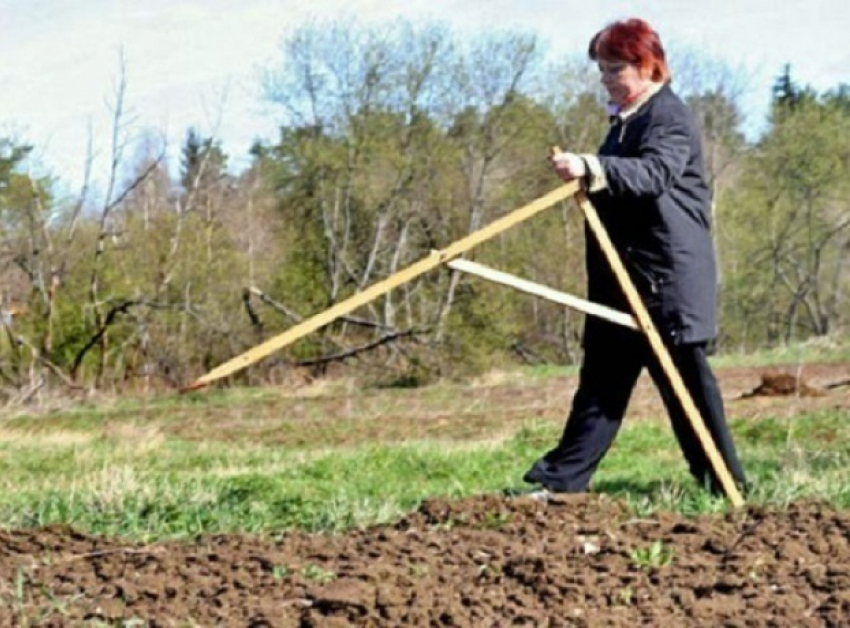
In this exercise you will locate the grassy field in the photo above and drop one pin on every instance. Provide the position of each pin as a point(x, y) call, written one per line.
point(259, 461)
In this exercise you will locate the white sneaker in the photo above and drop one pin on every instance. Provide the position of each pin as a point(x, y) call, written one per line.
point(543, 495)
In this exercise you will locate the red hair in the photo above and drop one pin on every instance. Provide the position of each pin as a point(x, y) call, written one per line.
point(632, 41)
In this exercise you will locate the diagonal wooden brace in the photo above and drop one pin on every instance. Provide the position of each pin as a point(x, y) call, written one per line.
point(523, 285)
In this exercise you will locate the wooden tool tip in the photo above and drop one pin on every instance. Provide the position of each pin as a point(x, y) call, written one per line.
point(191, 387)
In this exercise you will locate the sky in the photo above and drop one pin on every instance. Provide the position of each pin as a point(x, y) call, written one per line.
point(197, 62)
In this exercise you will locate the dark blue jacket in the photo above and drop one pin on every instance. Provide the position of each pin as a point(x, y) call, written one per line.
point(657, 209)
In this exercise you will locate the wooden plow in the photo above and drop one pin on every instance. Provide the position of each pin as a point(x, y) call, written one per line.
point(639, 320)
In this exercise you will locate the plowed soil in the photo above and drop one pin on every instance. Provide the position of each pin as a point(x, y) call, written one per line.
point(487, 561)
point(574, 561)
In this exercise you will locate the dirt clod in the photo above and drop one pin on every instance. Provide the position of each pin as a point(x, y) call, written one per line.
point(783, 384)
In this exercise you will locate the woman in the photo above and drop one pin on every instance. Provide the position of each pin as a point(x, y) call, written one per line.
point(648, 186)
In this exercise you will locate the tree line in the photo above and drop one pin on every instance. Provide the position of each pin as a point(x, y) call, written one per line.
point(395, 141)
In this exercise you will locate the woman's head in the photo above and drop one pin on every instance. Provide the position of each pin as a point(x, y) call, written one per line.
point(630, 55)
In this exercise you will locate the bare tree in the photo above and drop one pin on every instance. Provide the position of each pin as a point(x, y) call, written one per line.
point(115, 195)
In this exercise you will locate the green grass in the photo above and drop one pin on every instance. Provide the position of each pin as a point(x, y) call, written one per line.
point(140, 483)
point(824, 349)
point(124, 467)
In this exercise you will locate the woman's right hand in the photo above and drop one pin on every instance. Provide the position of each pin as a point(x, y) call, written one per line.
point(568, 166)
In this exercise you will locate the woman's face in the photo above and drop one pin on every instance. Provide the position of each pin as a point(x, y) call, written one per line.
point(623, 81)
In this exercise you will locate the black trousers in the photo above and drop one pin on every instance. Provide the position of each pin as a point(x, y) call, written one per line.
point(612, 363)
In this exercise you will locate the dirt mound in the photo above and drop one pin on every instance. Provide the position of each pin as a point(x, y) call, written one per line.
point(488, 561)
point(782, 385)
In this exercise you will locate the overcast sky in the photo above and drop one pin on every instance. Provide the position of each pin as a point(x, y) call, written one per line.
point(195, 62)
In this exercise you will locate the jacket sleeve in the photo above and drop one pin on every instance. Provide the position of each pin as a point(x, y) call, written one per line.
point(663, 152)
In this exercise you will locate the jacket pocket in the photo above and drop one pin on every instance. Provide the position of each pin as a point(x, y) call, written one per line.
point(656, 289)
point(648, 281)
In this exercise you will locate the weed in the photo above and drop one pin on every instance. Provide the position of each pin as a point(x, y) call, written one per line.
point(489, 571)
point(652, 557)
point(418, 570)
point(496, 520)
point(279, 572)
point(317, 574)
point(624, 597)
point(449, 523)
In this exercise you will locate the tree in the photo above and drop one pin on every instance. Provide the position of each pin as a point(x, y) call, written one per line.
point(792, 220)
point(203, 162)
point(399, 140)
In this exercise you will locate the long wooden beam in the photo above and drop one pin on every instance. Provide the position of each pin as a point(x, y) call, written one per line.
point(382, 287)
point(506, 279)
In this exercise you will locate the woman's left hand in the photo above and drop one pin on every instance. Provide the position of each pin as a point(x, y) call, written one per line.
point(568, 166)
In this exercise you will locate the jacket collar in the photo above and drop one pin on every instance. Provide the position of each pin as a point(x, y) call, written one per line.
point(621, 115)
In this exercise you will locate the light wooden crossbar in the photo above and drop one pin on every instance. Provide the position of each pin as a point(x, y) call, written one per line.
point(523, 285)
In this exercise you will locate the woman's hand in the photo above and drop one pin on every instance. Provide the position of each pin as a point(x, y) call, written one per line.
point(568, 166)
